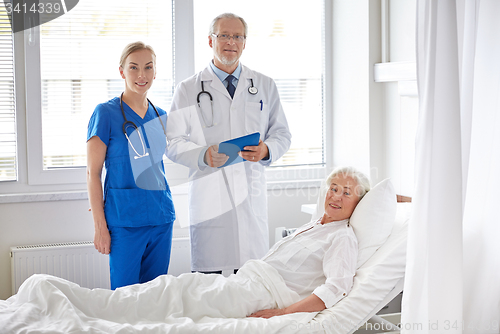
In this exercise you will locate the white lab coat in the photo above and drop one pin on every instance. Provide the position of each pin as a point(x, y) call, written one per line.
point(227, 213)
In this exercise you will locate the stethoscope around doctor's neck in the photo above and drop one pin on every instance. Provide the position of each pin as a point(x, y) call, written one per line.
point(252, 90)
point(130, 123)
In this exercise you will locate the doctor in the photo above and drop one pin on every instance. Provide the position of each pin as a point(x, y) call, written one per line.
point(228, 205)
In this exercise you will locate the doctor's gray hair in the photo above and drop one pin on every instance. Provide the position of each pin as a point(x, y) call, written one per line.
point(362, 181)
point(135, 46)
point(226, 16)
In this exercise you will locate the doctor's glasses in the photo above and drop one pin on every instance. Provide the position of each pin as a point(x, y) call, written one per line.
point(226, 38)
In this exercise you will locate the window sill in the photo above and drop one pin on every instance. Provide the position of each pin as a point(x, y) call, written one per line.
point(176, 190)
point(44, 197)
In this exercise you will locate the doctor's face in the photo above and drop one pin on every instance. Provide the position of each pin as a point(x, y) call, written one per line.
point(341, 198)
point(227, 53)
point(139, 71)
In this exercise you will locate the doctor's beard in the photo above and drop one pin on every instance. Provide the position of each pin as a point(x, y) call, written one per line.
point(226, 61)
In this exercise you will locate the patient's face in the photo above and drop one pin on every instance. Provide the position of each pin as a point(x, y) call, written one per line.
point(341, 199)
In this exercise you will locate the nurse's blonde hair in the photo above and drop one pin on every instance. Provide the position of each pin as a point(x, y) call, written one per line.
point(136, 46)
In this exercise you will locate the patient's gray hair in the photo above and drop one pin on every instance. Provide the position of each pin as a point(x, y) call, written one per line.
point(227, 16)
point(363, 183)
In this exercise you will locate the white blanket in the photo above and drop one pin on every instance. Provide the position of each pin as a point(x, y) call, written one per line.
point(190, 303)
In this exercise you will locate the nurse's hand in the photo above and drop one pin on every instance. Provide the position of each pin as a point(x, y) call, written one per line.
point(213, 158)
point(255, 153)
point(102, 240)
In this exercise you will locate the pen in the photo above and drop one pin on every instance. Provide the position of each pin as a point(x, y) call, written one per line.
point(261, 105)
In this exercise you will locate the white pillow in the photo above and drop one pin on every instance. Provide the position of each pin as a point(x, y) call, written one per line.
point(373, 219)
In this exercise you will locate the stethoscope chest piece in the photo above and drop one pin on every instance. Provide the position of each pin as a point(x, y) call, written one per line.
point(252, 89)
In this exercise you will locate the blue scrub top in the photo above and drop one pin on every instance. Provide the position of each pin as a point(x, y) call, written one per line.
point(136, 192)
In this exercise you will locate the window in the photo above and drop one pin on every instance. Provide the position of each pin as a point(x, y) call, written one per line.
point(70, 64)
point(284, 42)
point(8, 156)
point(79, 56)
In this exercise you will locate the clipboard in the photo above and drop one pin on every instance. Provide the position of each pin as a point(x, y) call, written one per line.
point(233, 146)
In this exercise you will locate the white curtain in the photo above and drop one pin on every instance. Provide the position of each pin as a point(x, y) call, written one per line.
point(453, 266)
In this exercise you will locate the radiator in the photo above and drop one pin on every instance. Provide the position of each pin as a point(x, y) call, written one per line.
point(80, 262)
point(77, 262)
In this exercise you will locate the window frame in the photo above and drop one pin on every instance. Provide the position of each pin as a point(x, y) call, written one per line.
point(31, 175)
point(9, 112)
point(36, 174)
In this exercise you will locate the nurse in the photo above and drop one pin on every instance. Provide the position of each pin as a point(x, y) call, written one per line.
point(133, 214)
point(228, 205)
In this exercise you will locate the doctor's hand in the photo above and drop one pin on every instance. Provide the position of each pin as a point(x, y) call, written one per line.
point(255, 153)
point(213, 158)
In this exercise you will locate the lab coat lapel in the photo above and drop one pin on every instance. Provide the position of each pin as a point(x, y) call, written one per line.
point(216, 84)
point(243, 82)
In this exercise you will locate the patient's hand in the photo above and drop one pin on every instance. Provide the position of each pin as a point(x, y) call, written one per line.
point(311, 303)
point(269, 313)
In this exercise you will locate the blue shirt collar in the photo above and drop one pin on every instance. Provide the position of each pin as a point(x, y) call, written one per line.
point(222, 75)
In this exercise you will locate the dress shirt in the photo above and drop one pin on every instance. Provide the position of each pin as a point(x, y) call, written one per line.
point(319, 259)
point(223, 75)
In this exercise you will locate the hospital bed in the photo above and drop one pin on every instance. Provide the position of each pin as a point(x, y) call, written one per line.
point(376, 283)
point(378, 279)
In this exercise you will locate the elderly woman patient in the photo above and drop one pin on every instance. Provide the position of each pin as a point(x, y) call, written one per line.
point(308, 271)
point(318, 261)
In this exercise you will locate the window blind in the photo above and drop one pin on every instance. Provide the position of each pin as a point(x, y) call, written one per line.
point(79, 65)
point(8, 147)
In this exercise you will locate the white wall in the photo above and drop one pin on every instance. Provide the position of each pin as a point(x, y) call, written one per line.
point(402, 19)
point(401, 109)
point(373, 126)
point(351, 85)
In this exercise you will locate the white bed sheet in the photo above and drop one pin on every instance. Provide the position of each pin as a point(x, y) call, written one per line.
point(190, 303)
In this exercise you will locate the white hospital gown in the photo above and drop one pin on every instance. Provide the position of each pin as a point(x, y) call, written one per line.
point(319, 259)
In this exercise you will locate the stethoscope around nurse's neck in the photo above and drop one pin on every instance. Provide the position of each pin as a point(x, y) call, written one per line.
point(130, 123)
point(252, 90)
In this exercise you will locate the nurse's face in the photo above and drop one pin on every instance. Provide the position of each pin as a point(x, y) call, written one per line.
point(139, 71)
point(341, 198)
point(227, 53)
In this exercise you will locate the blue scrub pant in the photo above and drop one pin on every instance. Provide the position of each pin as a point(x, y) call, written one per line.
point(139, 254)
